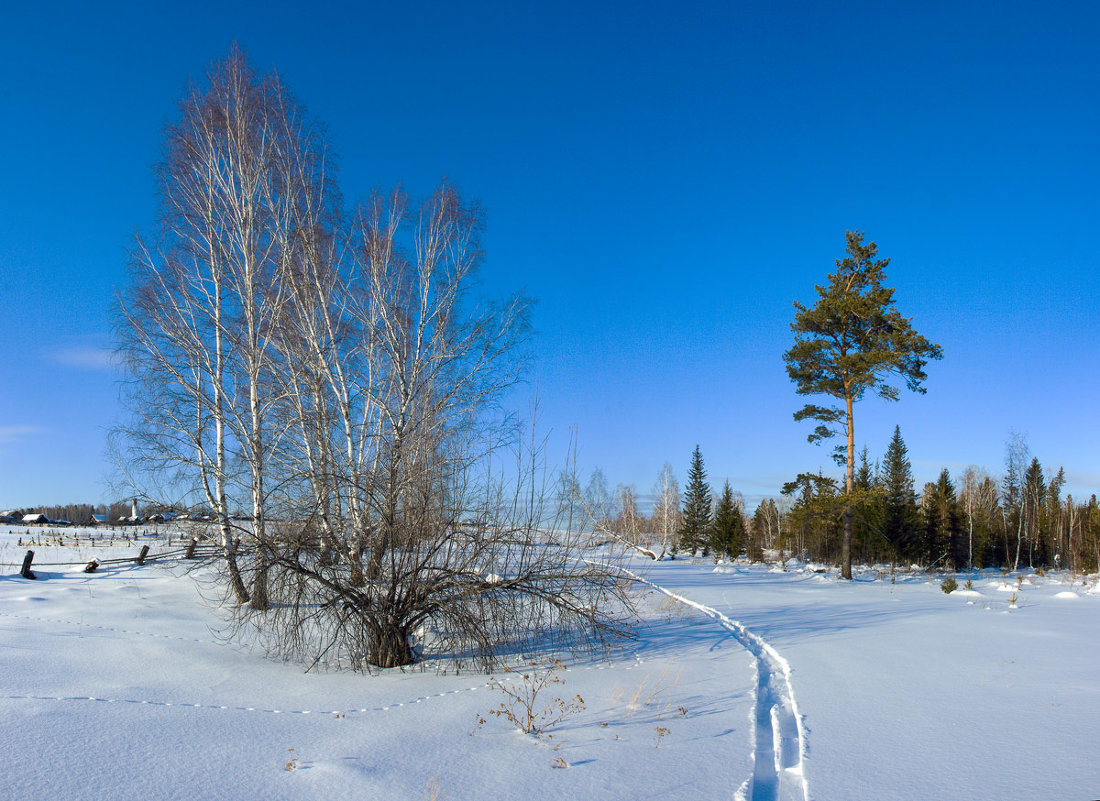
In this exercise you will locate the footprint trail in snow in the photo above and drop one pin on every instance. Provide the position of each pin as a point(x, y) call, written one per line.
point(778, 737)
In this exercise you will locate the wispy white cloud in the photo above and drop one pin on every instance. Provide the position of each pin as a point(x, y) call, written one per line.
point(86, 357)
point(12, 434)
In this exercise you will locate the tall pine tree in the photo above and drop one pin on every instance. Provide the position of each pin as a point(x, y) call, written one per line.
point(695, 525)
point(851, 341)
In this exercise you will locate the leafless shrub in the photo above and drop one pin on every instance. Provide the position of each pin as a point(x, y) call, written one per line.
point(522, 707)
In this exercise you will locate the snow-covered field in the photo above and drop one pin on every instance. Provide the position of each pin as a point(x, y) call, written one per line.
point(744, 682)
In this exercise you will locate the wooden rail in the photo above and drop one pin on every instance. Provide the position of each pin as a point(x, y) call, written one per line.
point(191, 552)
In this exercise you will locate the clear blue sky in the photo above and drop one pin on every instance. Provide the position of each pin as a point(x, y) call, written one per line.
point(664, 178)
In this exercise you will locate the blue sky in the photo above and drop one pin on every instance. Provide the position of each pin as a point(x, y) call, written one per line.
point(663, 178)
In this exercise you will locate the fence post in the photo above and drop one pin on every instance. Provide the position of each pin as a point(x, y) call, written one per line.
point(191, 549)
point(143, 554)
point(26, 571)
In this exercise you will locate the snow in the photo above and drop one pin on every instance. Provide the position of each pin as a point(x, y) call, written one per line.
point(119, 685)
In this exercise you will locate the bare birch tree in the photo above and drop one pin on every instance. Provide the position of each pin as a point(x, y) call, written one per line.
point(666, 510)
point(976, 504)
point(467, 564)
point(241, 164)
point(1014, 507)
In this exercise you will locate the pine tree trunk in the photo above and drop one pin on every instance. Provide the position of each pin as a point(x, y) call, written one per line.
point(846, 544)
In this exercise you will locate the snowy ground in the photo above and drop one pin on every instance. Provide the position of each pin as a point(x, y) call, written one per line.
point(744, 683)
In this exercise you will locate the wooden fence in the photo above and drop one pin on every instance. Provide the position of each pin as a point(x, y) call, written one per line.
point(194, 551)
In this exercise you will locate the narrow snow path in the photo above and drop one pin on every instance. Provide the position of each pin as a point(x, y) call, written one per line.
point(778, 738)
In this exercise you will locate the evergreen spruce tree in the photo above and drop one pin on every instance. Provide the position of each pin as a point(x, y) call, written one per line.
point(866, 511)
point(1052, 519)
point(695, 526)
point(985, 541)
point(851, 341)
point(1092, 526)
point(728, 529)
point(942, 542)
point(900, 517)
point(813, 515)
point(758, 530)
point(865, 474)
point(1037, 512)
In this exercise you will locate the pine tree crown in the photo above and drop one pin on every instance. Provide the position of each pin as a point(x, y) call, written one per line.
point(853, 340)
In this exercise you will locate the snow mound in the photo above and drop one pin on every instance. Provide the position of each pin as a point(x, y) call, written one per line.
point(968, 593)
point(1067, 594)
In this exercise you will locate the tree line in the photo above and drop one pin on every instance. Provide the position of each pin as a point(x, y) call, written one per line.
point(80, 513)
point(694, 522)
point(961, 522)
point(955, 523)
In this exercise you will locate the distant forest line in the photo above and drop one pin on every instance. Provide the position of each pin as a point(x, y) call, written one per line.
point(79, 513)
point(972, 520)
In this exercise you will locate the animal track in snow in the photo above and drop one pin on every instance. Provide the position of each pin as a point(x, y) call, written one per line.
point(238, 708)
point(184, 705)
